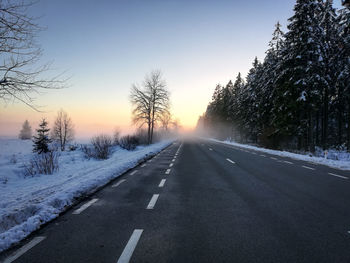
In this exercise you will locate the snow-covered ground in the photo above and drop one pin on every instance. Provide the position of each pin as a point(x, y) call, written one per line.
point(28, 202)
point(340, 160)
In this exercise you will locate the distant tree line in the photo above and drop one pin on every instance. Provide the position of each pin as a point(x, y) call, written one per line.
point(299, 96)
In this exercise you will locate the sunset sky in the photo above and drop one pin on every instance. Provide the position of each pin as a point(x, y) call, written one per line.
point(106, 46)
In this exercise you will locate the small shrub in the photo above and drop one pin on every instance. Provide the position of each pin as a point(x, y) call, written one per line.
point(72, 147)
point(45, 163)
point(129, 142)
point(88, 152)
point(101, 146)
point(142, 137)
point(3, 180)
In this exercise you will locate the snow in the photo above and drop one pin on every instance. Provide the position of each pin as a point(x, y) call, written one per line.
point(340, 160)
point(28, 202)
point(302, 96)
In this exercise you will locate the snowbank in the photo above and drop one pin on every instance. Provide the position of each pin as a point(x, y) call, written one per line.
point(343, 163)
point(27, 203)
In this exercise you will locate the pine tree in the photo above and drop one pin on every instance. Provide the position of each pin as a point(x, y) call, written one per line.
point(343, 74)
point(328, 47)
point(268, 89)
point(234, 113)
point(249, 102)
point(41, 141)
point(299, 77)
point(301, 93)
point(26, 131)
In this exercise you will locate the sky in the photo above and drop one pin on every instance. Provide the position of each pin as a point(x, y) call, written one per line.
point(106, 46)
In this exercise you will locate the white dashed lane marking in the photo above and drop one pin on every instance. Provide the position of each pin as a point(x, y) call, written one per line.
point(134, 172)
point(339, 176)
point(288, 162)
point(24, 249)
point(119, 183)
point(162, 182)
point(229, 160)
point(153, 201)
point(167, 171)
point(85, 206)
point(130, 246)
point(307, 167)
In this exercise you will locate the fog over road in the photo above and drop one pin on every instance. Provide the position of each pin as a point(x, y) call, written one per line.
point(201, 201)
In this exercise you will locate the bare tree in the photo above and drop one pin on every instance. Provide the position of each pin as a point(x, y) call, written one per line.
point(159, 97)
point(150, 102)
point(20, 76)
point(26, 131)
point(142, 112)
point(63, 129)
point(165, 121)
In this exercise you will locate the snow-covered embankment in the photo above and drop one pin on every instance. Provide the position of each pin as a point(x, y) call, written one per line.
point(27, 203)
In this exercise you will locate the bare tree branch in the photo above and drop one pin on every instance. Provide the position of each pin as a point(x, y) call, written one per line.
point(20, 78)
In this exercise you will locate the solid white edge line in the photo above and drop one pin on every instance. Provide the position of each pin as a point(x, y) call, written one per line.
point(229, 160)
point(162, 182)
point(340, 176)
point(24, 249)
point(307, 167)
point(167, 171)
point(134, 172)
point(130, 246)
point(119, 183)
point(84, 206)
point(153, 201)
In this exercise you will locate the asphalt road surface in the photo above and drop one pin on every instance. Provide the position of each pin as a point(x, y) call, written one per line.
point(200, 201)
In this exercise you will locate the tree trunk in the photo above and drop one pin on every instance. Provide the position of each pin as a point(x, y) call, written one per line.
point(152, 125)
point(149, 132)
point(311, 133)
point(348, 127)
point(325, 120)
point(340, 125)
point(318, 128)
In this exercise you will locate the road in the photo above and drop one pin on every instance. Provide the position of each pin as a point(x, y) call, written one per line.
point(201, 201)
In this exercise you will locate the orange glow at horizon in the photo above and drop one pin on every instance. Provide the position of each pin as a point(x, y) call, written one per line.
point(88, 121)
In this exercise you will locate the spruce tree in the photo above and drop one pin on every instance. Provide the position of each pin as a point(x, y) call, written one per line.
point(42, 140)
point(343, 74)
point(268, 90)
point(299, 77)
point(26, 131)
point(249, 103)
point(234, 110)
